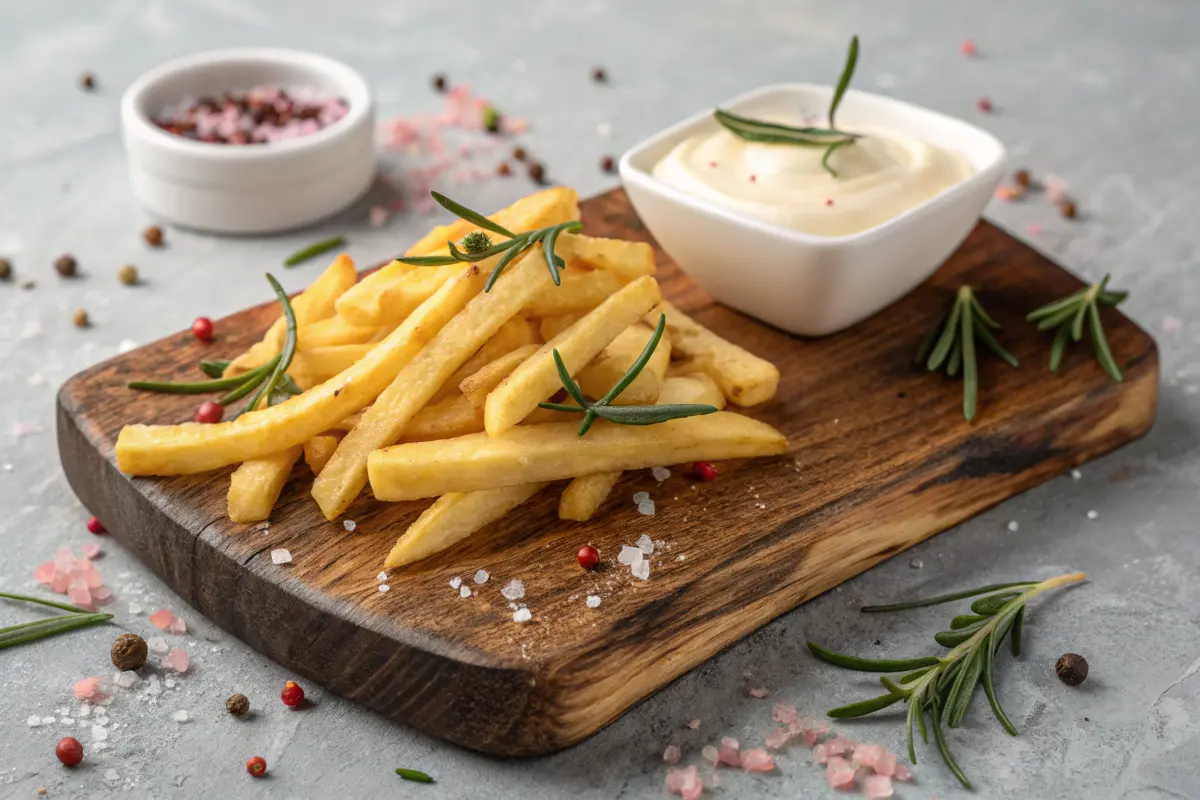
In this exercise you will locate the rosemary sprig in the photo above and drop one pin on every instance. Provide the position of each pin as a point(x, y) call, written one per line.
point(1069, 315)
point(269, 380)
point(952, 343)
point(313, 250)
point(941, 687)
point(829, 137)
point(623, 415)
point(478, 248)
point(414, 775)
point(25, 632)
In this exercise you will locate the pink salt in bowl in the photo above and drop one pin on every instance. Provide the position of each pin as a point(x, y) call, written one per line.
point(248, 188)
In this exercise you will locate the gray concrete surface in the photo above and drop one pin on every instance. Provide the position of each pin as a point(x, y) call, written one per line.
point(1099, 93)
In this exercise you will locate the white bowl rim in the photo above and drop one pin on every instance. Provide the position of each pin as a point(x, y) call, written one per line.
point(630, 170)
point(134, 113)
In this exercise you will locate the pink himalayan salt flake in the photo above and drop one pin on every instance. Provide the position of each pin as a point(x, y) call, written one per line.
point(903, 773)
point(177, 626)
point(820, 754)
point(1056, 189)
point(868, 755)
point(102, 594)
point(710, 754)
point(64, 559)
point(728, 754)
point(759, 692)
point(60, 581)
point(777, 738)
point(44, 573)
point(91, 575)
point(87, 688)
point(968, 48)
point(757, 760)
point(1009, 193)
point(684, 782)
point(877, 786)
point(839, 773)
point(838, 745)
point(161, 619)
point(886, 764)
point(1170, 324)
point(672, 754)
point(783, 713)
point(377, 216)
point(80, 595)
point(694, 724)
point(1034, 229)
point(91, 550)
point(176, 660)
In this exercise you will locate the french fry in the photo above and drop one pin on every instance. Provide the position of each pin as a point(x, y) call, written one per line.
point(193, 447)
point(536, 453)
point(537, 378)
point(477, 386)
point(626, 259)
point(453, 417)
point(367, 294)
point(581, 290)
point(319, 449)
point(517, 333)
point(322, 363)
point(584, 494)
point(333, 332)
point(384, 422)
point(615, 360)
point(553, 325)
point(538, 210)
point(255, 485)
point(391, 302)
point(454, 517)
point(312, 305)
point(345, 425)
point(746, 379)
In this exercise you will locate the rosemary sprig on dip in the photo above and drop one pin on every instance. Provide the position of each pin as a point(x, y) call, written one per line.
point(313, 250)
point(25, 632)
point(623, 415)
point(1069, 314)
point(753, 130)
point(478, 246)
point(941, 687)
point(270, 380)
point(952, 343)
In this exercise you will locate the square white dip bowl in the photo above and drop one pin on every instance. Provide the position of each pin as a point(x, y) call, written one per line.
point(803, 283)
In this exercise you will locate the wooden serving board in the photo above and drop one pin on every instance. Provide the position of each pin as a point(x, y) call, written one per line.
point(881, 459)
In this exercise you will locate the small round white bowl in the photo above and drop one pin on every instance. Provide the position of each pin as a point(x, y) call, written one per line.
point(247, 189)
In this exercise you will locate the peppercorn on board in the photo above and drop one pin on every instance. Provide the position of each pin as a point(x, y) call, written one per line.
point(879, 458)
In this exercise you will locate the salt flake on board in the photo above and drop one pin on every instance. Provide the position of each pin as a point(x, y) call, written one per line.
point(513, 590)
point(281, 556)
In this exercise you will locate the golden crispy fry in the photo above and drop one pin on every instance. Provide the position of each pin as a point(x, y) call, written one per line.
point(367, 293)
point(192, 447)
point(453, 417)
point(539, 210)
point(615, 360)
point(312, 305)
point(319, 449)
point(333, 332)
point(517, 333)
point(345, 425)
point(628, 260)
point(537, 378)
point(390, 302)
point(581, 290)
point(384, 422)
point(584, 494)
point(534, 453)
point(322, 363)
point(746, 379)
point(477, 385)
point(553, 325)
point(255, 485)
point(454, 517)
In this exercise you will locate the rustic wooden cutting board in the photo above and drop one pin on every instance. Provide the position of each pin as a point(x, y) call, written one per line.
point(881, 459)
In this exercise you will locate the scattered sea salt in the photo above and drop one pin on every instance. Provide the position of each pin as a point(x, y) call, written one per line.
point(641, 496)
point(34, 721)
point(481, 576)
point(281, 556)
point(180, 716)
point(1076, 474)
point(1093, 513)
point(349, 524)
point(630, 556)
point(455, 582)
point(126, 345)
point(646, 508)
point(99, 733)
point(381, 577)
point(110, 774)
point(157, 644)
point(513, 590)
point(916, 563)
point(128, 678)
point(1013, 526)
point(641, 570)
point(135, 609)
point(672, 754)
point(593, 601)
point(47, 720)
point(522, 615)
point(660, 473)
point(645, 544)
point(604, 130)
point(464, 591)
point(169, 683)
point(383, 587)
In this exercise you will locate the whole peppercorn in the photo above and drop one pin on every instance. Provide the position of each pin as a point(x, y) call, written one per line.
point(94, 525)
point(503, 170)
point(66, 266)
point(491, 119)
point(128, 652)
point(519, 153)
point(607, 164)
point(705, 470)
point(69, 751)
point(80, 318)
point(87, 81)
point(202, 329)
point(153, 236)
point(5, 269)
point(599, 75)
point(209, 413)
point(984, 104)
point(256, 766)
point(588, 557)
point(292, 694)
point(1022, 178)
point(439, 82)
point(127, 275)
point(1067, 209)
point(537, 173)
point(237, 704)
point(1071, 668)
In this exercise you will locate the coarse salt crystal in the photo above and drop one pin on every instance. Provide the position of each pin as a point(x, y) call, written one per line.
point(464, 591)
point(157, 644)
point(641, 570)
point(381, 577)
point(90, 550)
point(281, 556)
point(162, 618)
point(604, 130)
point(383, 587)
point(47, 720)
point(593, 601)
point(645, 544)
point(180, 716)
point(660, 473)
point(34, 721)
point(481, 576)
point(1092, 514)
point(111, 774)
point(349, 524)
point(839, 773)
point(838, 745)
point(903, 773)
point(177, 660)
point(88, 689)
point(694, 724)
point(877, 787)
point(513, 590)
point(646, 508)
point(67, 721)
point(99, 733)
point(777, 738)
point(916, 563)
point(640, 496)
point(672, 754)
point(711, 755)
point(1076, 474)
point(885, 764)
point(728, 752)
point(783, 713)
point(169, 683)
point(522, 615)
point(1013, 526)
point(127, 678)
point(757, 760)
point(629, 556)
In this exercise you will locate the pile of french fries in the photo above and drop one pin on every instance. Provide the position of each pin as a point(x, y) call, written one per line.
point(421, 383)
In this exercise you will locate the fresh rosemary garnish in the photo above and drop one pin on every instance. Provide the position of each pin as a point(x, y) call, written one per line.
point(313, 250)
point(270, 380)
point(753, 130)
point(952, 343)
point(623, 415)
point(25, 632)
point(1069, 315)
point(474, 248)
point(941, 687)
point(414, 775)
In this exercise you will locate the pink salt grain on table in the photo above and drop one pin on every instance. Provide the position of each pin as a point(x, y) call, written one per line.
point(783, 713)
point(877, 786)
point(685, 782)
point(728, 753)
point(672, 754)
point(711, 755)
point(89, 689)
point(176, 660)
point(777, 738)
point(91, 550)
point(165, 620)
point(839, 773)
point(757, 760)
point(75, 577)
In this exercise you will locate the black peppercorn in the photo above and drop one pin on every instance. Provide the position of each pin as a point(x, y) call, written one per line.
point(5, 269)
point(439, 82)
point(607, 164)
point(87, 81)
point(519, 153)
point(153, 236)
point(537, 173)
point(1071, 668)
point(1022, 178)
point(66, 266)
point(1067, 209)
point(503, 170)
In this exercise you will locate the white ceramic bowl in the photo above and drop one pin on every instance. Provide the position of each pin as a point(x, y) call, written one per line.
point(248, 188)
point(803, 283)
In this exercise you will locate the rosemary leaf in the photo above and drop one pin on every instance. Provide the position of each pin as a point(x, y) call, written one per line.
point(214, 369)
point(965, 620)
point(474, 217)
point(1077, 321)
point(52, 626)
point(844, 81)
point(553, 262)
point(914, 708)
point(989, 687)
point(43, 602)
point(949, 331)
point(512, 253)
point(1100, 343)
point(968, 680)
point(989, 341)
point(1071, 313)
point(993, 604)
point(829, 152)
point(970, 369)
point(427, 261)
point(871, 664)
point(945, 598)
point(944, 749)
point(639, 364)
point(651, 415)
point(313, 250)
point(1057, 307)
point(201, 387)
point(952, 637)
point(753, 130)
point(1058, 347)
point(865, 707)
point(1017, 628)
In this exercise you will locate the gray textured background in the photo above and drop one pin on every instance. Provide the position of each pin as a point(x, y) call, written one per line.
point(1099, 93)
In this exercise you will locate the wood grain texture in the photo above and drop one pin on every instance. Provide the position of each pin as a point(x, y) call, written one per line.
point(881, 459)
